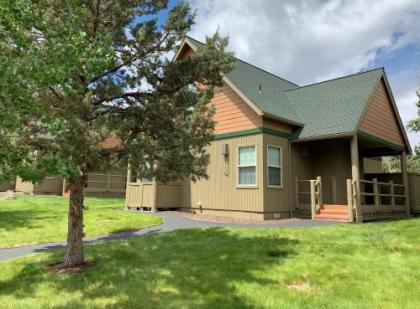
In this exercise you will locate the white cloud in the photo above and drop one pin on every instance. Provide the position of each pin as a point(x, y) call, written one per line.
point(404, 84)
point(313, 40)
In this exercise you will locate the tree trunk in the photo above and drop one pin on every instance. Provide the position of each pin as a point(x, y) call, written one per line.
point(74, 255)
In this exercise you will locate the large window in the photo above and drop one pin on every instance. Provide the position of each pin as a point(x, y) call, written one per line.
point(274, 164)
point(247, 167)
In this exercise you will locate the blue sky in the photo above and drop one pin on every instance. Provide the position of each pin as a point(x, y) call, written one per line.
point(307, 41)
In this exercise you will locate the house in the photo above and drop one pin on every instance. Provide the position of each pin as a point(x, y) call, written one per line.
point(98, 184)
point(282, 150)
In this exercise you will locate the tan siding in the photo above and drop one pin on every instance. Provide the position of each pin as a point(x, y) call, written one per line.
point(220, 192)
point(277, 125)
point(4, 186)
point(372, 165)
point(168, 196)
point(277, 200)
point(50, 185)
point(24, 186)
point(414, 187)
point(380, 119)
point(232, 113)
point(140, 194)
point(329, 159)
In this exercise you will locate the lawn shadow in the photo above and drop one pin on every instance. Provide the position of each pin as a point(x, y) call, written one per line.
point(13, 219)
point(186, 268)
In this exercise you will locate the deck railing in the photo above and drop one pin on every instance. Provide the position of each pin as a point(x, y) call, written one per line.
point(382, 193)
point(372, 199)
point(314, 192)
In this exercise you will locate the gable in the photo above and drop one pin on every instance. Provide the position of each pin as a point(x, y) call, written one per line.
point(380, 118)
point(232, 113)
point(333, 107)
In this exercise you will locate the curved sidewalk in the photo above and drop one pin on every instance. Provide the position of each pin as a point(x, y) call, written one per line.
point(171, 222)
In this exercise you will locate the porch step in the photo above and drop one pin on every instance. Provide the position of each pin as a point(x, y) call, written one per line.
point(333, 213)
point(334, 209)
point(332, 217)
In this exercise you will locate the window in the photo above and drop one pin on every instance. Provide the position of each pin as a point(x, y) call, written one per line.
point(274, 165)
point(247, 167)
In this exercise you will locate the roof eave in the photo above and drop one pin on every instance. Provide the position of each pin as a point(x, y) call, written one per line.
point(274, 117)
point(322, 137)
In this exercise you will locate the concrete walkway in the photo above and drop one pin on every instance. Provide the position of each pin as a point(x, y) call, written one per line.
point(172, 222)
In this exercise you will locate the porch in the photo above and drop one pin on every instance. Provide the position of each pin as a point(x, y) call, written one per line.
point(340, 188)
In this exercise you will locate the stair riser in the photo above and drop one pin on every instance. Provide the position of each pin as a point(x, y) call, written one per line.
point(332, 212)
point(332, 217)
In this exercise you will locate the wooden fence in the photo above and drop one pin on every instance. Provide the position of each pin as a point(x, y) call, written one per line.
point(99, 184)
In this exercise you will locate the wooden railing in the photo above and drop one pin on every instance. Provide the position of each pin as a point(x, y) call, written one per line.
point(315, 194)
point(381, 198)
point(372, 199)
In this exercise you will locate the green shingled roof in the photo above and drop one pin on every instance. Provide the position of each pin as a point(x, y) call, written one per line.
point(334, 106)
point(326, 108)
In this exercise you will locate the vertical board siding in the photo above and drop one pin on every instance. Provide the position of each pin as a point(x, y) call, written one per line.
point(220, 191)
point(414, 187)
point(24, 186)
point(380, 119)
point(232, 113)
point(140, 194)
point(277, 200)
point(328, 159)
point(134, 197)
point(50, 185)
point(4, 186)
point(168, 196)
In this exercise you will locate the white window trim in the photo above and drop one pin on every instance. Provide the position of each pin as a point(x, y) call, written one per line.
point(239, 166)
point(279, 166)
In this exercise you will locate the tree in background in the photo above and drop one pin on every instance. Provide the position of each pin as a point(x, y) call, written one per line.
point(393, 164)
point(74, 72)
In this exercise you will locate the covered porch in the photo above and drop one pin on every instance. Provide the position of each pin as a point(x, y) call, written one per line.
point(333, 183)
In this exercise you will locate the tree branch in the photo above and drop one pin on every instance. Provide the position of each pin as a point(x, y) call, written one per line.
point(136, 94)
point(128, 61)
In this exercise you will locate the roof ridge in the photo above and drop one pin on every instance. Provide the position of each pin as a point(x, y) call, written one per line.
point(337, 78)
point(250, 64)
point(265, 71)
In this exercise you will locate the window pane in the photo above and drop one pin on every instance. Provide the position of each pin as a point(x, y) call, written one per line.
point(273, 156)
point(247, 155)
point(274, 176)
point(247, 176)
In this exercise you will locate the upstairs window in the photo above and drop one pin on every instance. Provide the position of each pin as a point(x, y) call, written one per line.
point(274, 165)
point(247, 167)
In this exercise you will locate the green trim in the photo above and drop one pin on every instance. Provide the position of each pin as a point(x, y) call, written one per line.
point(252, 131)
point(380, 140)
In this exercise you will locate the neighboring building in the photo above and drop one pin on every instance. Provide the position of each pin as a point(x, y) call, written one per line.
point(282, 150)
point(99, 184)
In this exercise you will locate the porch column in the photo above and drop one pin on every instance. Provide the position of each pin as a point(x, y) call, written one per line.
point(404, 175)
point(355, 173)
point(127, 187)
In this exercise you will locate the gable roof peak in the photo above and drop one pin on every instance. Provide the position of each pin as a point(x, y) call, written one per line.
point(340, 77)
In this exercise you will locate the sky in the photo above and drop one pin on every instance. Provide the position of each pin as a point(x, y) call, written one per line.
point(307, 41)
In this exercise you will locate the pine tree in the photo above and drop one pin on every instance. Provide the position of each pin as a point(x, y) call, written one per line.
point(75, 72)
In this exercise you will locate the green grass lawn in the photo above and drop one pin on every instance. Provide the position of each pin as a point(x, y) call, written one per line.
point(42, 219)
point(344, 266)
